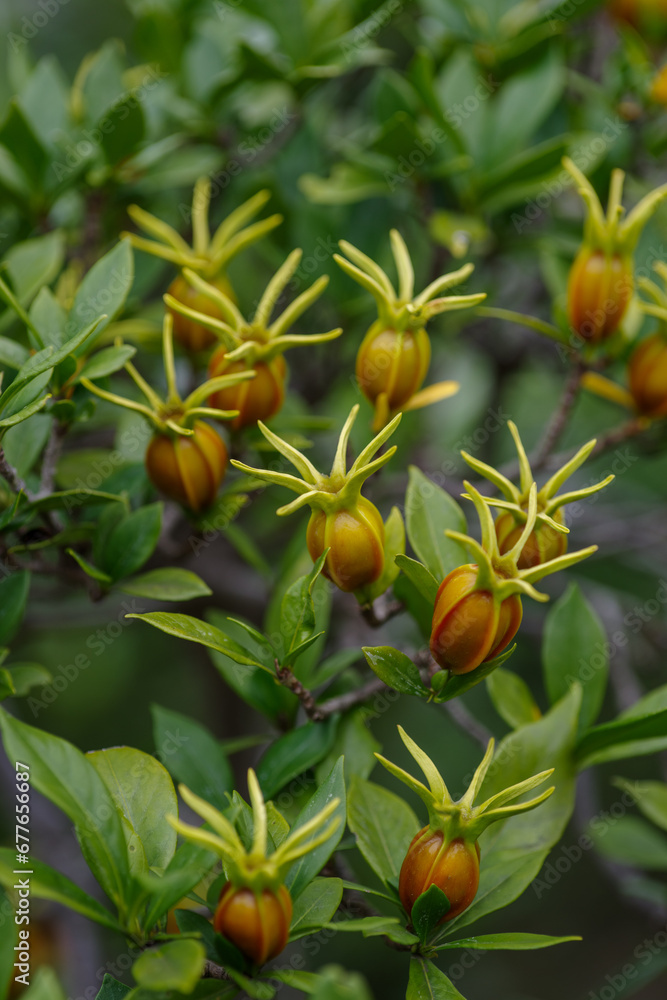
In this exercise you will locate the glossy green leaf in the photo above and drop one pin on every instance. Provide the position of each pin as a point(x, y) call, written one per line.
point(307, 867)
point(46, 883)
point(176, 965)
point(575, 650)
point(294, 753)
point(192, 755)
point(355, 742)
point(144, 795)
point(620, 738)
point(195, 630)
point(168, 584)
point(7, 688)
point(428, 910)
point(35, 262)
point(123, 130)
point(14, 591)
point(112, 989)
point(297, 614)
point(315, 906)
point(337, 983)
point(104, 288)
point(106, 362)
point(92, 571)
point(131, 542)
point(396, 669)
point(12, 354)
point(512, 698)
point(383, 824)
point(423, 579)
point(457, 684)
point(429, 512)
point(509, 941)
point(427, 982)
point(65, 776)
point(189, 865)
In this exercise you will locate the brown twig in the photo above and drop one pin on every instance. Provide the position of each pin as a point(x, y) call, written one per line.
point(213, 971)
point(342, 702)
point(9, 473)
point(51, 458)
point(561, 415)
point(306, 697)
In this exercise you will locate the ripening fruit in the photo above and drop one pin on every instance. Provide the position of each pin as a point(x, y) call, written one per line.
point(649, 15)
point(260, 398)
point(355, 539)
point(192, 335)
point(188, 469)
point(470, 626)
point(257, 923)
point(543, 543)
point(647, 376)
point(599, 290)
point(392, 362)
point(453, 867)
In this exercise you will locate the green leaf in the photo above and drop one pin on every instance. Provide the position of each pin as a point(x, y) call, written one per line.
point(144, 795)
point(92, 571)
point(337, 983)
point(46, 883)
point(575, 649)
point(106, 362)
point(650, 797)
point(192, 755)
point(14, 591)
point(510, 941)
point(44, 986)
point(355, 742)
point(34, 263)
point(23, 445)
point(428, 911)
point(7, 689)
point(429, 512)
point(25, 676)
point(49, 317)
point(68, 779)
point(630, 840)
point(396, 669)
point(622, 738)
point(294, 753)
point(195, 630)
point(427, 982)
point(514, 850)
point(112, 989)
point(21, 412)
point(169, 584)
point(512, 698)
point(307, 867)
point(315, 906)
point(131, 542)
point(104, 288)
point(176, 965)
point(368, 926)
point(69, 499)
point(122, 128)
point(424, 581)
point(297, 614)
point(383, 825)
point(12, 354)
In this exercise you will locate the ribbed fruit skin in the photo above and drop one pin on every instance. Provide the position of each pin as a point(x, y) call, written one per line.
point(393, 363)
point(599, 290)
point(647, 376)
point(543, 543)
point(469, 626)
point(355, 539)
point(257, 923)
point(188, 469)
point(192, 335)
point(259, 398)
point(453, 867)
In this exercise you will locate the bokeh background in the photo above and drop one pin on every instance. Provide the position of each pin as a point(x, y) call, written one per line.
point(447, 120)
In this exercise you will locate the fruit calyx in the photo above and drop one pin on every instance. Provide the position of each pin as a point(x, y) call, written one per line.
point(256, 339)
point(462, 819)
